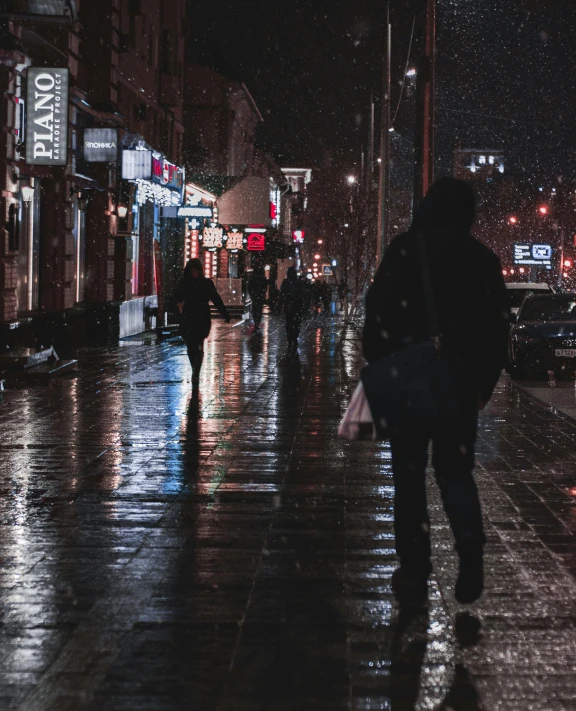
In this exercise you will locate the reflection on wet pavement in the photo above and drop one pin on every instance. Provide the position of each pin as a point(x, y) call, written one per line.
point(223, 550)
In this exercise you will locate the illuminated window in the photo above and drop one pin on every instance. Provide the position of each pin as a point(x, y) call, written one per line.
point(482, 160)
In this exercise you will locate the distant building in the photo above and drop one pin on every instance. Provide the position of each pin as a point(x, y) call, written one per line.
point(297, 179)
point(478, 164)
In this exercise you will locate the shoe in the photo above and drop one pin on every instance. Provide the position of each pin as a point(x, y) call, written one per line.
point(410, 584)
point(470, 582)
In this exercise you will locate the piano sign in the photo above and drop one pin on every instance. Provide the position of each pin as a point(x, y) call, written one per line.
point(256, 242)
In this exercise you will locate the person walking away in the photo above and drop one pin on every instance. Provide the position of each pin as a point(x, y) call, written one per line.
point(194, 294)
point(257, 287)
point(470, 298)
point(293, 302)
point(326, 295)
point(343, 292)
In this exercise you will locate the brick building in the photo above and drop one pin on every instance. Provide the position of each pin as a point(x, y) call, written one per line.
point(77, 253)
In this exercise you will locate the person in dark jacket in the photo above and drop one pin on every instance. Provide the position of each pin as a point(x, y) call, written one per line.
point(293, 302)
point(470, 297)
point(257, 287)
point(194, 294)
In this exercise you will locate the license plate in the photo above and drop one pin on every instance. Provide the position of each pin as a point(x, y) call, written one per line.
point(566, 352)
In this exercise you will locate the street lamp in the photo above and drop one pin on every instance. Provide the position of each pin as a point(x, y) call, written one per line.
point(351, 179)
point(543, 209)
point(513, 220)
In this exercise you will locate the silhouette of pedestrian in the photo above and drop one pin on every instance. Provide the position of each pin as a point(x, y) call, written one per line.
point(293, 302)
point(257, 287)
point(470, 299)
point(193, 295)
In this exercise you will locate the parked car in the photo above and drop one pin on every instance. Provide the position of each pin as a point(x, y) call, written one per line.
point(543, 336)
point(518, 291)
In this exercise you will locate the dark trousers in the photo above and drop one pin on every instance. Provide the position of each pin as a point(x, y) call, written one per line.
point(195, 348)
point(293, 323)
point(257, 307)
point(453, 462)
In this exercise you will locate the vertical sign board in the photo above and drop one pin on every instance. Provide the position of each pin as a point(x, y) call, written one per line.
point(47, 116)
point(136, 165)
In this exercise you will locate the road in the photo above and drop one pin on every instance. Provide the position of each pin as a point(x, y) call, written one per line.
point(229, 552)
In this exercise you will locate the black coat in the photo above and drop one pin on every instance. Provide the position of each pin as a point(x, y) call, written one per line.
point(293, 298)
point(470, 299)
point(197, 294)
point(257, 287)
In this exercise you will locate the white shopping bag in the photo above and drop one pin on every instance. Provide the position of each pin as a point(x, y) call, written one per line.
point(357, 422)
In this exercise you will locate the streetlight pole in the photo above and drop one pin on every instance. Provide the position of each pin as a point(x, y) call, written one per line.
point(425, 32)
point(384, 189)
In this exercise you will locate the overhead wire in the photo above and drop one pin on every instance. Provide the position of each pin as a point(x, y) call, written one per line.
point(405, 71)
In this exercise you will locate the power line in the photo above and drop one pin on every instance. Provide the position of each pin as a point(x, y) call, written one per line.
point(499, 118)
point(405, 71)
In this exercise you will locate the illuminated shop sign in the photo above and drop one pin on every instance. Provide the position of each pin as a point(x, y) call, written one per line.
point(136, 165)
point(536, 255)
point(47, 118)
point(256, 242)
point(196, 211)
point(166, 173)
point(235, 241)
point(212, 237)
point(298, 236)
point(101, 145)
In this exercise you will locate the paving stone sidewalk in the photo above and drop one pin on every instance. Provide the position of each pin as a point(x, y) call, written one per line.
point(162, 552)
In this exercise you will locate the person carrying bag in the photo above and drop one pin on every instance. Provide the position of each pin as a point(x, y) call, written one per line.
point(435, 340)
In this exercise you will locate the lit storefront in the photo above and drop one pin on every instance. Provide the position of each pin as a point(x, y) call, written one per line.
point(157, 185)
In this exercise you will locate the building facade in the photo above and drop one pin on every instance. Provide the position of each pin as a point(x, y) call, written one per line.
point(78, 256)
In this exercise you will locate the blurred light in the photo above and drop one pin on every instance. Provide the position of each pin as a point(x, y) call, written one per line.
point(351, 179)
point(334, 262)
point(411, 72)
point(316, 256)
point(565, 275)
point(521, 270)
point(512, 220)
point(379, 160)
point(391, 129)
point(543, 209)
point(122, 211)
point(505, 272)
point(567, 263)
point(346, 224)
point(319, 241)
point(315, 264)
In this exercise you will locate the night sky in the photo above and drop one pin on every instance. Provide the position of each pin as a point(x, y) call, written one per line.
point(506, 76)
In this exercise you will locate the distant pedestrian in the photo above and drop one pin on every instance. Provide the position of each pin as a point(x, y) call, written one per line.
point(326, 296)
point(293, 300)
point(194, 294)
point(343, 292)
point(257, 288)
point(470, 299)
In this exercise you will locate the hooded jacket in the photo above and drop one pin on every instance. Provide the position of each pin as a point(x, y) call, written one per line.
point(468, 288)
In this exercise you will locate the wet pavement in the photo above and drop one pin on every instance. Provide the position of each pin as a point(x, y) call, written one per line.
point(161, 552)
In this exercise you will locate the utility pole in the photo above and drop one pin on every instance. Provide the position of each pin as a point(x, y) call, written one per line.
point(384, 192)
point(425, 35)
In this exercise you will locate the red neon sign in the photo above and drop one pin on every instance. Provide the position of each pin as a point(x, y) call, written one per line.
point(256, 242)
point(273, 210)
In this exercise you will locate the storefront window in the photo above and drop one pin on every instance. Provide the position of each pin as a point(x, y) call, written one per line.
point(28, 262)
point(233, 271)
point(80, 251)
